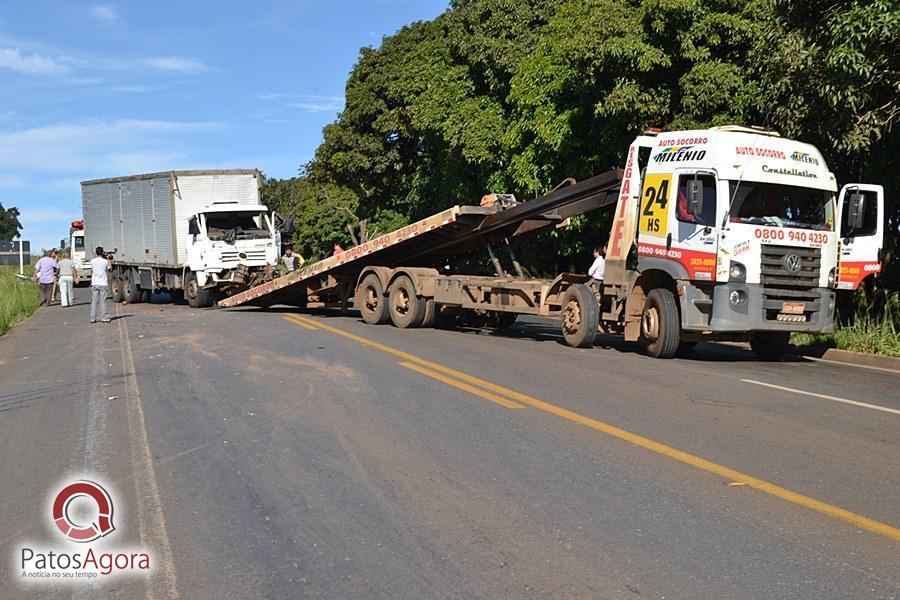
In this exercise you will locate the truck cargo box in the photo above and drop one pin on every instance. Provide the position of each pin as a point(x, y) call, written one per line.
point(144, 218)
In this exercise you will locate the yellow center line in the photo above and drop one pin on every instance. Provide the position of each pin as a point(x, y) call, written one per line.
point(303, 324)
point(824, 508)
point(463, 386)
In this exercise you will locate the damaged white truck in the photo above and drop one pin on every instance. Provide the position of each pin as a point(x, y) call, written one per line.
point(197, 235)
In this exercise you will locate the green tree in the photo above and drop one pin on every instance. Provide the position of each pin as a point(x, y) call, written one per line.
point(321, 213)
point(9, 223)
point(604, 70)
point(830, 73)
point(514, 96)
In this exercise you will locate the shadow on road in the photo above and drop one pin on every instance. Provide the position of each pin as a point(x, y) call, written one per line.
point(550, 332)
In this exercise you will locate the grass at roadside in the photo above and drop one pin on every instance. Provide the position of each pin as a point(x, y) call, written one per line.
point(18, 299)
point(865, 333)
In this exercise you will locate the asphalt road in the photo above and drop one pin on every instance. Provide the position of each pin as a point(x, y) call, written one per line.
point(266, 455)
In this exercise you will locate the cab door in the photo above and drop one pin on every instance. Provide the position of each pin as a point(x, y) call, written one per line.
point(861, 230)
point(692, 222)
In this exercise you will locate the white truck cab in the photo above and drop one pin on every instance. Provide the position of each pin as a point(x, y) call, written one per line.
point(226, 235)
point(742, 232)
point(79, 256)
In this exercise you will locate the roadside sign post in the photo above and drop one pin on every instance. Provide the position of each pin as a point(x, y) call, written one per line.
point(21, 258)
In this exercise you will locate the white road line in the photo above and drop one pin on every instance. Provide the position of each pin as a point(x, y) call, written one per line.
point(825, 397)
point(846, 364)
point(151, 519)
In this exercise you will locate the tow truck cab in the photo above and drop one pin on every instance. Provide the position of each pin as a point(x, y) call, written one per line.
point(80, 257)
point(743, 231)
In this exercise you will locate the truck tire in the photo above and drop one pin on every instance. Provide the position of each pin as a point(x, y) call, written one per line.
point(371, 301)
point(579, 316)
point(130, 292)
point(196, 296)
point(770, 345)
point(660, 324)
point(115, 285)
point(407, 310)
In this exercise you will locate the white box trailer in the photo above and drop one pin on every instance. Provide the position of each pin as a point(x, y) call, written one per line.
point(189, 232)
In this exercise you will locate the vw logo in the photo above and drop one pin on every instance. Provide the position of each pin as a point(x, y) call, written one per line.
point(792, 263)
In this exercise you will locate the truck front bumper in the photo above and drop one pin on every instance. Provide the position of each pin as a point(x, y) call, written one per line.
point(715, 310)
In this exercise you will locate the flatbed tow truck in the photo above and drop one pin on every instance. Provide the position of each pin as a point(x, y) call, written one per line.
point(728, 233)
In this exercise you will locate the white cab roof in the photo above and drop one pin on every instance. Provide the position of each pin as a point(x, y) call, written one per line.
point(742, 153)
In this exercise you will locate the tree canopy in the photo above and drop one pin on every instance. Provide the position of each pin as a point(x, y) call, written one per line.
point(515, 95)
point(9, 223)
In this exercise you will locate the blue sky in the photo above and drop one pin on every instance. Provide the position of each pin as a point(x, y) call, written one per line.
point(91, 90)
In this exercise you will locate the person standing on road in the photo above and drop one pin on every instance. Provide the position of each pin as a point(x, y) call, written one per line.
point(598, 269)
point(54, 256)
point(67, 275)
point(45, 275)
point(100, 269)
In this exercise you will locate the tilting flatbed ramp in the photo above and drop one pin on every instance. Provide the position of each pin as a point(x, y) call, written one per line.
point(453, 232)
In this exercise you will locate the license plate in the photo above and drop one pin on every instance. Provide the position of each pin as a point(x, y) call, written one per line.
point(794, 308)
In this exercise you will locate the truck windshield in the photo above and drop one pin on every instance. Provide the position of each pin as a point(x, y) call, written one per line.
point(78, 243)
point(781, 205)
point(235, 225)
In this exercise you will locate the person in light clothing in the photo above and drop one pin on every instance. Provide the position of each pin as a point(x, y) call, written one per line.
point(292, 262)
point(100, 269)
point(67, 276)
point(45, 275)
point(598, 269)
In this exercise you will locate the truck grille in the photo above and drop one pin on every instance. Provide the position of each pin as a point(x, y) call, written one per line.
point(790, 277)
point(233, 256)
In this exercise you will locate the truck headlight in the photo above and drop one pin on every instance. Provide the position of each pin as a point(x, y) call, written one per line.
point(737, 272)
point(831, 278)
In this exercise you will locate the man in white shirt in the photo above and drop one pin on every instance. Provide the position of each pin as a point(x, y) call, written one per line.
point(100, 268)
point(598, 269)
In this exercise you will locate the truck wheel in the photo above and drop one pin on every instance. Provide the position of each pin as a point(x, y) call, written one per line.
point(371, 301)
point(407, 310)
point(580, 316)
point(660, 325)
point(196, 296)
point(770, 345)
point(130, 292)
point(115, 284)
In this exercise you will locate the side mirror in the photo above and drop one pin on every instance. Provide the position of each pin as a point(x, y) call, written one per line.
point(856, 211)
point(695, 197)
